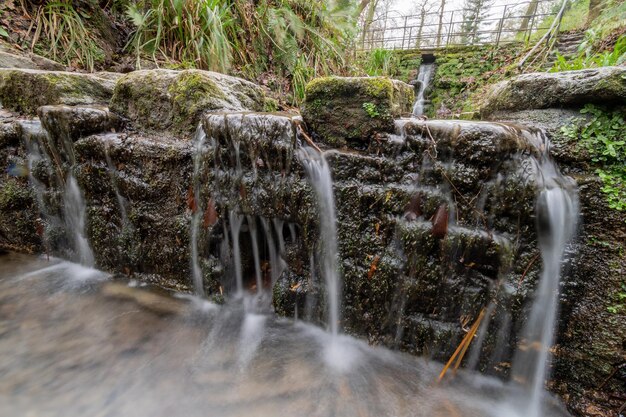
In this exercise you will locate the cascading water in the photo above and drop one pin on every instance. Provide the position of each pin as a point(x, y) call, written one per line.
point(424, 77)
point(196, 271)
point(74, 210)
point(557, 218)
point(319, 174)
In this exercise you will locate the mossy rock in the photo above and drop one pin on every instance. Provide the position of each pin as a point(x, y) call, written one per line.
point(24, 90)
point(353, 109)
point(157, 100)
point(567, 89)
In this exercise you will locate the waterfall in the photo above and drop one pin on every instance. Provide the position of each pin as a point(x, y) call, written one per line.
point(424, 77)
point(74, 210)
point(318, 171)
point(121, 201)
point(196, 271)
point(557, 215)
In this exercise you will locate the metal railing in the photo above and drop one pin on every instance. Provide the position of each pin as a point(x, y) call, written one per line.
point(430, 30)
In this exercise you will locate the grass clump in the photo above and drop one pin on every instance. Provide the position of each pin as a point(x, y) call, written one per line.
point(64, 35)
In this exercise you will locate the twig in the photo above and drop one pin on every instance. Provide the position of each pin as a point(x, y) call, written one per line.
point(532, 261)
point(463, 346)
point(308, 139)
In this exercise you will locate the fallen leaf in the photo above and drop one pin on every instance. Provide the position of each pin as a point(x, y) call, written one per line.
point(373, 267)
point(191, 201)
point(210, 214)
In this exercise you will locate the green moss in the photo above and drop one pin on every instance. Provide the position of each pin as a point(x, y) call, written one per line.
point(14, 195)
point(25, 91)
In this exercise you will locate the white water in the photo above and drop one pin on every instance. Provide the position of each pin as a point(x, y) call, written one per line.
point(557, 218)
point(196, 271)
point(424, 77)
point(319, 174)
point(74, 210)
point(121, 201)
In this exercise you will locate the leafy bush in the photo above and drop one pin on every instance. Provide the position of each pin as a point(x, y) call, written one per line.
point(603, 134)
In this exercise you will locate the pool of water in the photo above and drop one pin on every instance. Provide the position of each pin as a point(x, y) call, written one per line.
point(76, 342)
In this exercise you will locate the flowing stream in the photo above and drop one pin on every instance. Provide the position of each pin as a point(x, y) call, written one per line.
point(424, 77)
point(319, 174)
point(75, 341)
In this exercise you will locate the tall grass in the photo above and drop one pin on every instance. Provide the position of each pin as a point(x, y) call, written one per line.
point(295, 39)
point(63, 32)
point(381, 62)
point(193, 32)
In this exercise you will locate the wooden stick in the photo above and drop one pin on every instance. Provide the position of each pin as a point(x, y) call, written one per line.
point(308, 139)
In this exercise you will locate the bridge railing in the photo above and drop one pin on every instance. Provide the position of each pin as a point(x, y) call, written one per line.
point(430, 30)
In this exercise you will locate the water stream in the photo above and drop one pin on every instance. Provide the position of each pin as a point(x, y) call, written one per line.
point(319, 174)
point(155, 353)
point(424, 77)
point(557, 219)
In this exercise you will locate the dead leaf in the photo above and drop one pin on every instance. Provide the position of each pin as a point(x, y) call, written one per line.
point(440, 222)
point(210, 214)
point(373, 267)
point(191, 200)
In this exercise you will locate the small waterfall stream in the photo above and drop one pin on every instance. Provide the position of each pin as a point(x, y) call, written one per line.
point(319, 174)
point(557, 219)
point(424, 78)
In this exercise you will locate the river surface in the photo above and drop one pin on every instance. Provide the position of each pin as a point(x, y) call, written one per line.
point(76, 342)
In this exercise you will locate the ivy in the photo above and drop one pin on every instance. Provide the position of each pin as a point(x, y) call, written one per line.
point(603, 135)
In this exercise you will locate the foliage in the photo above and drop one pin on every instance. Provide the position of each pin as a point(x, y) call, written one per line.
point(620, 301)
point(474, 13)
point(294, 39)
point(587, 59)
point(603, 135)
point(189, 31)
point(612, 17)
point(371, 109)
point(381, 62)
point(65, 35)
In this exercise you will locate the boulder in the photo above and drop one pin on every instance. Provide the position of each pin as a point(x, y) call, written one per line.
point(25, 90)
point(566, 89)
point(352, 109)
point(158, 100)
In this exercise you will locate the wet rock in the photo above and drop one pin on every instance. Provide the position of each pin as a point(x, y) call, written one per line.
point(24, 91)
point(605, 85)
point(170, 100)
point(74, 122)
point(342, 110)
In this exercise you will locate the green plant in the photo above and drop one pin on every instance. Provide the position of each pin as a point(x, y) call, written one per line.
point(66, 39)
point(586, 58)
point(190, 31)
point(620, 301)
point(381, 62)
point(603, 135)
point(371, 109)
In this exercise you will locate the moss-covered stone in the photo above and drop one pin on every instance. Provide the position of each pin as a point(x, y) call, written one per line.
point(24, 91)
point(352, 109)
point(606, 85)
point(157, 100)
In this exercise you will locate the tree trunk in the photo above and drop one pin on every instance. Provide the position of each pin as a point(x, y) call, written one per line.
point(440, 29)
point(530, 10)
point(595, 7)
